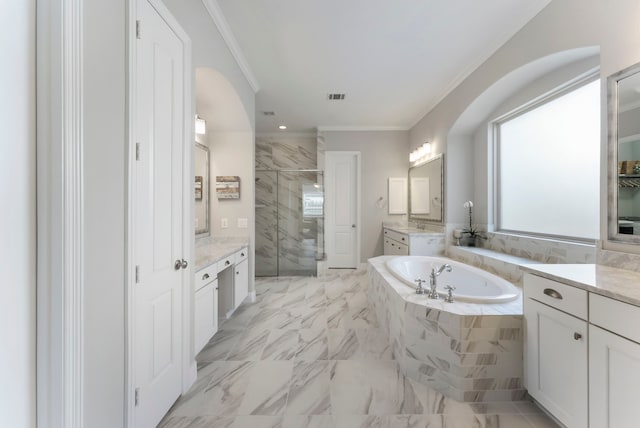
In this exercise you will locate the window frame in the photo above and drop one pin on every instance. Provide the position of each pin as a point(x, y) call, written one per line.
point(558, 92)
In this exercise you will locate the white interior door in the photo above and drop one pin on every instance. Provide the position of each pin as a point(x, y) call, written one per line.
point(342, 205)
point(159, 122)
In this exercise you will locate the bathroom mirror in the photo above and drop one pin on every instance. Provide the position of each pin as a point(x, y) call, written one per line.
point(623, 97)
point(201, 189)
point(426, 183)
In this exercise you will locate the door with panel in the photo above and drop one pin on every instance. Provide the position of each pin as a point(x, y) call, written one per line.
point(342, 205)
point(158, 207)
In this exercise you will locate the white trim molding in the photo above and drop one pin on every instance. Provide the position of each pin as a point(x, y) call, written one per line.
point(60, 308)
point(221, 23)
point(362, 128)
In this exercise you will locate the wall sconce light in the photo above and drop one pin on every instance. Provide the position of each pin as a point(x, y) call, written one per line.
point(201, 126)
point(420, 153)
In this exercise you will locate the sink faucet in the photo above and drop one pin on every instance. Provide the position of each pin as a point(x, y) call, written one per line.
point(433, 279)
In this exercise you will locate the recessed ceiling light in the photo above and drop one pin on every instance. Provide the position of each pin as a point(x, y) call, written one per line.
point(282, 126)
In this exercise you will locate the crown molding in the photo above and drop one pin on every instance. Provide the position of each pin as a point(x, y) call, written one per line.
point(285, 135)
point(221, 23)
point(361, 128)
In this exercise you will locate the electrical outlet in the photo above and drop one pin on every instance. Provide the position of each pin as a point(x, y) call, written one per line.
point(243, 223)
point(224, 223)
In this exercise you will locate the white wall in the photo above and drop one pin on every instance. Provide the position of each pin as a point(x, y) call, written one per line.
point(104, 210)
point(383, 155)
point(563, 25)
point(18, 215)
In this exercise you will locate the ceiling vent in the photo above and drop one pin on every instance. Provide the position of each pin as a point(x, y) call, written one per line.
point(269, 113)
point(335, 97)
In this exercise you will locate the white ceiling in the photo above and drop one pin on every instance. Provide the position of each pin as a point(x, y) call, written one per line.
point(394, 60)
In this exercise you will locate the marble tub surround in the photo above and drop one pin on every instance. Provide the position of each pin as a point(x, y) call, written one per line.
point(469, 352)
point(321, 360)
point(211, 249)
point(619, 284)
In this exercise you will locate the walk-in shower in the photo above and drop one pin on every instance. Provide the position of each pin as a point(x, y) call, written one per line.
point(289, 222)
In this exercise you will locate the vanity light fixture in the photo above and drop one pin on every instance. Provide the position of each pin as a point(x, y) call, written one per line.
point(420, 153)
point(283, 127)
point(201, 126)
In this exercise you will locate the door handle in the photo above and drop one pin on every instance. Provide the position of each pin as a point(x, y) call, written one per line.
point(353, 226)
point(177, 265)
point(184, 264)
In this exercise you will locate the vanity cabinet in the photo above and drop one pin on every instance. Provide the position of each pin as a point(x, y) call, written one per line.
point(614, 363)
point(395, 243)
point(241, 279)
point(205, 307)
point(556, 349)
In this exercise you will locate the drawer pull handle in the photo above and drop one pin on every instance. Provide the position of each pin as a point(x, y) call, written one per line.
point(577, 336)
point(205, 276)
point(227, 263)
point(552, 293)
point(403, 239)
point(241, 254)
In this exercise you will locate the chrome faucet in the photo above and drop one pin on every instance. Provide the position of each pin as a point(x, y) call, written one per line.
point(420, 289)
point(433, 280)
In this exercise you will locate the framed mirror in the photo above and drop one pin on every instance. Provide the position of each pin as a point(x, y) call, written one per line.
point(201, 189)
point(623, 175)
point(426, 190)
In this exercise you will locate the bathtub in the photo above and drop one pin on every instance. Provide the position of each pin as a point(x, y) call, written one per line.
point(470, 352)
point(471, 284)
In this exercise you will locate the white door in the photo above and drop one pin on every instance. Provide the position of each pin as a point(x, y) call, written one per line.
point(342, 204)
point(159, 122)
point(614, 376)
point(556, 362)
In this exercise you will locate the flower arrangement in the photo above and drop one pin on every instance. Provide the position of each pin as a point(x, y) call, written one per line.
point(472, 230)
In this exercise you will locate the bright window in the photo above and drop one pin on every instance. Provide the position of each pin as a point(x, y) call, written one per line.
point(548, 166)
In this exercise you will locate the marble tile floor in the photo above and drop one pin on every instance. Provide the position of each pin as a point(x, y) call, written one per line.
point(309, 354)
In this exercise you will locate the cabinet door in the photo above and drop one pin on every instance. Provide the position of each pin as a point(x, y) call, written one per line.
point(205, 314)
point(556, 362)
point(614, 376)
point(241, 283)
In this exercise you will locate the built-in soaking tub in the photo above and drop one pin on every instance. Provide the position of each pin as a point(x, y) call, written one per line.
point(471, 284)
point(469, 351)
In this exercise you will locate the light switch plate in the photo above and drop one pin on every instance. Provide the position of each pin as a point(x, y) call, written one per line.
point(224, 223)
point(243, 223)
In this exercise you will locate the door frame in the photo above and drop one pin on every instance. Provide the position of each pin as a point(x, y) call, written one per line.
point(329, 197)
point(189, 368)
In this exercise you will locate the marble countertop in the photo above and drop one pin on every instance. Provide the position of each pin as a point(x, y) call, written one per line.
point(410, 230)
point(619, 284)
point(459, 308)
point(212, 249)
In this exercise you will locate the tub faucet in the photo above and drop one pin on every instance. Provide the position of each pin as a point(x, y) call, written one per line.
point(433, 279)
point(420, 289)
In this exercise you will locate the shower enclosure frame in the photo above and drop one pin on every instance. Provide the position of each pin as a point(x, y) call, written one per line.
point(320, 240)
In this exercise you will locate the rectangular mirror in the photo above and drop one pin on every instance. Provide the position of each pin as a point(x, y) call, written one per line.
point(201, 189)
point(623, 97)
point(426, 188)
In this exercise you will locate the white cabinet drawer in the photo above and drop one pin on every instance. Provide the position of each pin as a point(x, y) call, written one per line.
point(561, 296)
point(618, 317)
point(205, 276)
point(242, 255)
point(226, 262)
point(205, 315)
point(395, 248)
point(396, 236)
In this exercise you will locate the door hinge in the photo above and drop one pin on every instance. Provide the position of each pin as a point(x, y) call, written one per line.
point(137, 151)
point(137, 29)
point(137, 274)
point(137, 396)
